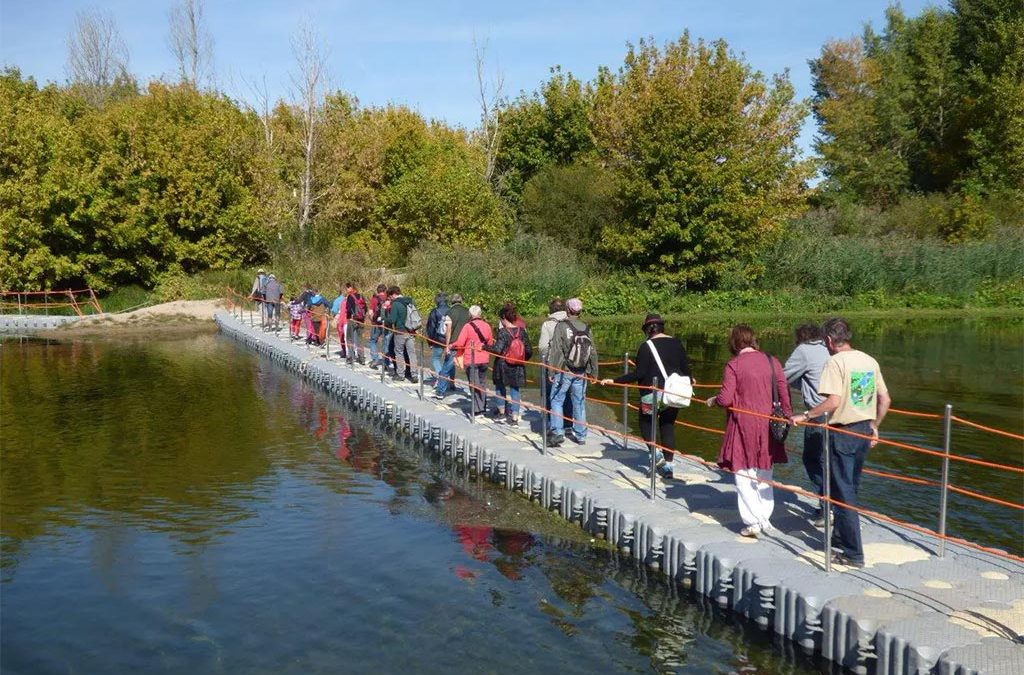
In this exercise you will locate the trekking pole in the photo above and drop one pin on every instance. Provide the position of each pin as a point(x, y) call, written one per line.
point(654, 439)
point(472, 391)
point(828, 496)
point(947, 418)
point(625, 404)
point(544, 406)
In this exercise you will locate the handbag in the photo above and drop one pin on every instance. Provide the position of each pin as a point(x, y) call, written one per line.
point(777, 429)
point(678, 389)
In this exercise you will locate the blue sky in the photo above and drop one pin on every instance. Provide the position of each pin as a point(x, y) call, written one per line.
point(421, 54)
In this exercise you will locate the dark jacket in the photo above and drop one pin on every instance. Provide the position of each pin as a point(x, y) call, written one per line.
point(511, 375)
point(398, 312)
point(673, 357)
point(459, 314)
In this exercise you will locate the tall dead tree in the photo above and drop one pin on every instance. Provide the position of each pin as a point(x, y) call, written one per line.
point(489, 93)
point(308, 82)
point(190, 42)
point(97, 56)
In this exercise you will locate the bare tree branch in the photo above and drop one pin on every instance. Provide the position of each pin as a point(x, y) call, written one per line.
point(190, 42)
point(309, 84)
point(97, 55)
point(489, 95)
point(261, 94)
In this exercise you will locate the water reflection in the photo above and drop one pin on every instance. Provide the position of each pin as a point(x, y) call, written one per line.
point(188, 507)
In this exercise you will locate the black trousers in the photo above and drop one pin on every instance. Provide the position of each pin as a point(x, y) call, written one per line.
point(666, 424)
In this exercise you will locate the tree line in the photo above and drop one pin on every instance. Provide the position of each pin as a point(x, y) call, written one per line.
point(680, 165)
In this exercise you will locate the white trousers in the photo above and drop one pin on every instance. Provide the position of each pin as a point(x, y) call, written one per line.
point(756, 499)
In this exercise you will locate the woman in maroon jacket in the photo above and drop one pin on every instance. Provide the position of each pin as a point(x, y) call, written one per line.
point(748, 449)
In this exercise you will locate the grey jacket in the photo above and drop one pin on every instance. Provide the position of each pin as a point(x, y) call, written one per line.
point(547, 330)
point(560, 343)
point(803, 370)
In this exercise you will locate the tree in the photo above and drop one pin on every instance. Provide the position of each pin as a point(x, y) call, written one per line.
point(489, 95)
point(571, 203)
point(97, 56)
point(309, 84)
point(190, 42)
point(706, 157)
point(551, 126)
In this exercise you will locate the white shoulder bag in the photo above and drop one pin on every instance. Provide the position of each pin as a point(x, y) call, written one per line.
point(678, 388)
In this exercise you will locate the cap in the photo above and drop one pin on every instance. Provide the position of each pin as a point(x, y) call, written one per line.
point(574, 305)
point(271, 276)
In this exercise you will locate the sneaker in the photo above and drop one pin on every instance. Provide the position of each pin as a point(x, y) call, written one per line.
point(437, 396)
point(555, 440)
point(843, 559)
point(666, 471)
point(512, 421)
point(751, 531)
point(412, 379)
point(577, 440)
point(818, 517)
point(659, 460)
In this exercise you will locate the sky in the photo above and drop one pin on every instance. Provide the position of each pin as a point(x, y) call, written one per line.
point(421, 53)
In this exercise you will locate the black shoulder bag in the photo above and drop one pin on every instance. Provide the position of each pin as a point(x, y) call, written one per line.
point(776, 428)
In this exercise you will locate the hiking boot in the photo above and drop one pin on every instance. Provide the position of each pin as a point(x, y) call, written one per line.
point(555, 440)
point(512, 421)
point(412, 378)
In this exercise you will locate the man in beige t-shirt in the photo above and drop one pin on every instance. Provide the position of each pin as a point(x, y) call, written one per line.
point(856, 398)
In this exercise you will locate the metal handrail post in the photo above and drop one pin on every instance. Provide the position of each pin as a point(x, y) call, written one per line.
point(654, 438)
point(544, 405)
point(421, 379)
point(472, 390)
point(327, 340)
point(625, 404)
point(828, 494)
point(947, 424)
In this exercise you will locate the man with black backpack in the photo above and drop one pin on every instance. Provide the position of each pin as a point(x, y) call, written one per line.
point(405, 320)
point(572, 356)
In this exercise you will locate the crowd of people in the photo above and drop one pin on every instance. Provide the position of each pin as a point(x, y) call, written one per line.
point(837, 383)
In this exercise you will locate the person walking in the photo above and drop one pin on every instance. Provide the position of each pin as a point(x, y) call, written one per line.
point(659, 356)
point(377, 324)
point(437, 334)
point(258, 293)
point(338, 311)
point(272, 295)
point(404, 319)
point(856, 400)
point(319, 316)
point(388, 352)
point(458, 317)
point(572, 356)
point(751, 382)
point(470, 346)
point(512, 349)
point(803, 371)
point(556, 313)
point(355, 319)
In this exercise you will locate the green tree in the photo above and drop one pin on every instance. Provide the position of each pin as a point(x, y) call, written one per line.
point(572, 203)
point(705, 150)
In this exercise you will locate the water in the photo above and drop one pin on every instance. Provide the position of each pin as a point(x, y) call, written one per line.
point(183, 506)
point(977, 365)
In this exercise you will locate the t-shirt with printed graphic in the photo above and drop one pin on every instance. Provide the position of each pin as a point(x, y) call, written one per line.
point(856, 377)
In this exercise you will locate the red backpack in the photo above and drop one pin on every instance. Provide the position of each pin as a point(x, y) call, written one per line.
point(359, 315)
point(516, 352)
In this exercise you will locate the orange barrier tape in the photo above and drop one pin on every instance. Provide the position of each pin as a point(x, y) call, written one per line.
point(834, 502)
point(896, 444)
point(982, 427)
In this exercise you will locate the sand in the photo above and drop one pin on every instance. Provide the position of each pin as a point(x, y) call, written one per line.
point(181, 316)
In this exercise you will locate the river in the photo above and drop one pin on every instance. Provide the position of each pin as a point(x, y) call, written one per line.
point(183, 505)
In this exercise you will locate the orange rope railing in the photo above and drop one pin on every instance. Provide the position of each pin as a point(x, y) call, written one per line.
point(833, 429)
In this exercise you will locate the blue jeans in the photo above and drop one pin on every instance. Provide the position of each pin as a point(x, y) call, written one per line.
point(813, 456)
point(437, 359)
point(446, 377)
point(511, 407)
point(847, 455)
point(575, 388)
point(375, 333)
point(389, 339)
